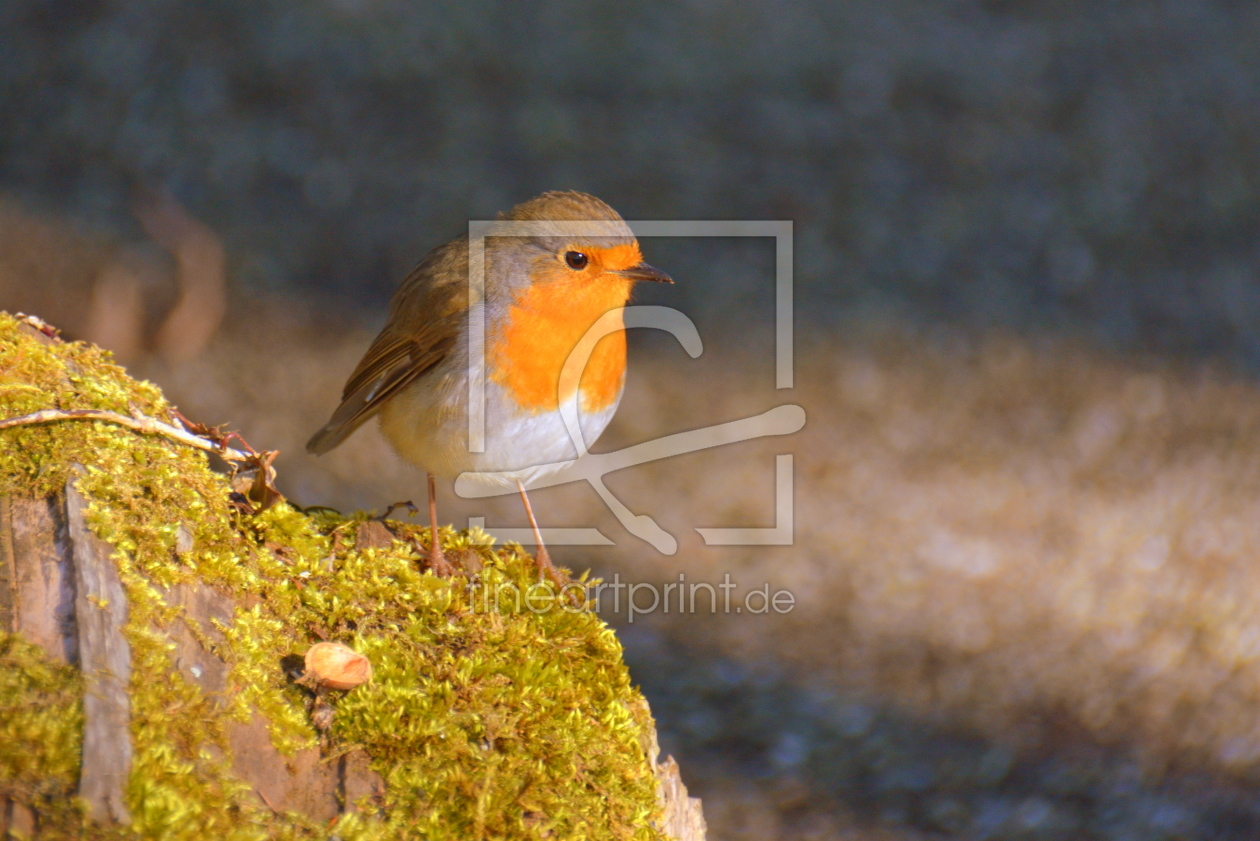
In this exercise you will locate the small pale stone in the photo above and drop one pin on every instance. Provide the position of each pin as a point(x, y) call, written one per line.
point(336, 666)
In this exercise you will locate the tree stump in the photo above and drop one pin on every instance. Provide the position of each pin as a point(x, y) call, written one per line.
point(155, 617)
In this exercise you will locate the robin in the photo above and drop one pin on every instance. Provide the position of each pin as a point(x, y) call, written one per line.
point(542, 294)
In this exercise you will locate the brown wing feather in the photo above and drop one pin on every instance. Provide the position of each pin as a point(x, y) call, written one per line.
point(424, 322)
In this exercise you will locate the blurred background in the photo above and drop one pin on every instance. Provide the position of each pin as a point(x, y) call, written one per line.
point(1028, 337)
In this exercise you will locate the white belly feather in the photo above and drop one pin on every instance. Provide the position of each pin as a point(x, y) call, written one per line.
point(427, 424)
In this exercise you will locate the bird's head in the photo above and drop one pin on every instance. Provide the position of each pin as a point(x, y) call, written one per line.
point(576, 240)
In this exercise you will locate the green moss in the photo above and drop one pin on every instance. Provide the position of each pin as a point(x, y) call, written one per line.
point(41, 734)
point(485, 718)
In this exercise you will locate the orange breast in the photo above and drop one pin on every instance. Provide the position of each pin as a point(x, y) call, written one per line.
point(544, 325)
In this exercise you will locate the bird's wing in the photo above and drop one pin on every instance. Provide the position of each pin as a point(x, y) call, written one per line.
point(424, 324)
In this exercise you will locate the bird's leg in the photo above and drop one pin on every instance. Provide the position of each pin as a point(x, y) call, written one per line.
point(437, 561)
point(541, 556)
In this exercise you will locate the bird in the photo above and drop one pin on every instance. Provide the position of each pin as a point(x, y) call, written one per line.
point(542, 293)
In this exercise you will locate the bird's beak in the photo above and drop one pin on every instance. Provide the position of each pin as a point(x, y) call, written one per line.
point(645, 272)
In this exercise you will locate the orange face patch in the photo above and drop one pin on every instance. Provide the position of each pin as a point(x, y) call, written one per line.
point(545, 324)
point(616, 259)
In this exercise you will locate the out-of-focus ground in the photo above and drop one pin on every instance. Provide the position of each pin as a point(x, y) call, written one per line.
point(1024, 569)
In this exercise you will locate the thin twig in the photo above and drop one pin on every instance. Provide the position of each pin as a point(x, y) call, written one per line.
point(267, 801)
point(149, 426)
point(409, 505)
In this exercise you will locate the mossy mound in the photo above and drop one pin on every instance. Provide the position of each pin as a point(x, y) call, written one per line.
point(484, 719)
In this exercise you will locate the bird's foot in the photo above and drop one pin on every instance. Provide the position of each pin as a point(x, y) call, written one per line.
point(559, 577)
point(438, 565)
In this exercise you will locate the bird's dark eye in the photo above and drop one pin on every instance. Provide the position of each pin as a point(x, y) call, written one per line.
point(576, 260)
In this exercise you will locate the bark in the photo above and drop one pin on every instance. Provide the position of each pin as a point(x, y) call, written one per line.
point(100, 612)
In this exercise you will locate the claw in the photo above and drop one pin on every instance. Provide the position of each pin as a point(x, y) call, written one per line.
point(437, 562)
